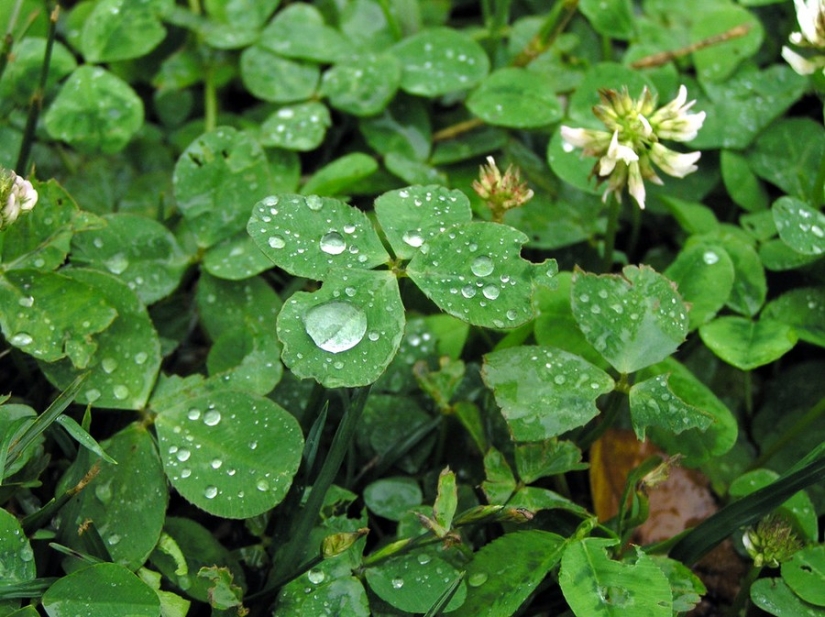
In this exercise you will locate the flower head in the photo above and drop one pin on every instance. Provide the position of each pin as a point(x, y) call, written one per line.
point(772, 541)
point(628, 148)
point(17, 195)
point(810, 14)
point(501, 191)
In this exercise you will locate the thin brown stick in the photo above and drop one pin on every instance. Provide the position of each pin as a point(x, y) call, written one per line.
point(663, 57)
point(457, 129)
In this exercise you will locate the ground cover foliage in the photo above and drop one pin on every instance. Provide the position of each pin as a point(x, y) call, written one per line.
point(395, 307)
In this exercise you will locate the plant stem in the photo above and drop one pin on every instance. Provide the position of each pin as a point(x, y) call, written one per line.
point(613, 210)
point(796, 430)
point(817, 196)
point(554, 24)
point(457, 129)
point(289, 558)
point(744, 593)
point(210, 99)
point(36, 103)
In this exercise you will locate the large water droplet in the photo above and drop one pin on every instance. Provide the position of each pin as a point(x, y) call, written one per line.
point(183, 455)
point(262, 485)
point(413, 238)
point(314, 203)
point(117, 263)
point(333, 243)
point(316, 576)
point(276, 242)
point(336, 326)
point(210, 492)
point(21, 339)
point(491, 292)
point(482, 265)
point(212, 417)
point(120, 391)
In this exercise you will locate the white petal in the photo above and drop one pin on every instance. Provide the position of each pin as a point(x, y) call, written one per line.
point(797, 62)
point(619, 151)
point(673, 163)
point(636, 185)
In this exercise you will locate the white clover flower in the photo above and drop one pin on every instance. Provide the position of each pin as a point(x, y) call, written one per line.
point(17, 195)
point(631, 143)
point(810, 15)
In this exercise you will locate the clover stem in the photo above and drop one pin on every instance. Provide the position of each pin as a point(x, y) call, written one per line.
point(744, 593)
point(613, 211)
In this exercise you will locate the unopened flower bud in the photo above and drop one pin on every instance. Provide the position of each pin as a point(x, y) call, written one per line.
point(17, 196)
point(502, 192)
point(772, 541)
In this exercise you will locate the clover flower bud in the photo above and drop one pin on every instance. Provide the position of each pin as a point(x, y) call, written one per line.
point(501, 192)
point(17, 196)
point(771, 542)
point(630, 145)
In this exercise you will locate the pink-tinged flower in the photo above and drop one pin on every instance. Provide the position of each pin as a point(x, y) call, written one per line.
point(500, 191)
point(810, 15)
point(631, 143)
point(17, 196)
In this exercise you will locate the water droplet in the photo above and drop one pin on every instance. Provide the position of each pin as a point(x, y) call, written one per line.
point(26, 301)
point(491, 292)
point(559, 379)
point(477, 579)
point(113, 539)
point(413, 238)
point(253, 445)
point(117, 263)
point(316, 576)
point(314, 203)
point(216, 463)
point(194, 414)
point(120, 391)
point(595, 309)
point(21, 339)
point(104, 492)
point(212, 417)
point(468, 291)
point(276, 242)
point(603, 294)
point(424, 558)
point(26, 553)
point(336, 326)
point(262, 485)
point(482, 265)
point(350, 291)
point(710, 258)
point(512, 314)
point(92, 395)
point(141, 357)
point(397, 583)
point(333, 243)
point(109, 365)
point(373, 336)
point(210, 492)
point(183, 455)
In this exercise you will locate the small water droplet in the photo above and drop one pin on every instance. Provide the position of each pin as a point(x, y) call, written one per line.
point(109, 365)
point(710, 258)
point(333, 243)
point(141, 357)
point(26, 301)
point(103, 492)
point(120, 391)
point(253, 445)
point(113, 539)
point(477, 579)
point(336, 326)
point(468, 291)
point(350, 291)
point(276, 242)
point(92, 395)
point(183, 455)
point(212, 417)
point(603, 294)
point(559, 379)
point(316, 576)
point(21, 339)
point(216, 463)
point(373, 336)
point(210, 492)
point(424, 558)
point(314, 203)
point(194, 414)
point(491, 292)
point(185, 473)
point(262, 485)
point(482, 265)
point(397, 583)
point(512, 314)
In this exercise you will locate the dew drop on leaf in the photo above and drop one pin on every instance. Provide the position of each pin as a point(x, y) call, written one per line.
point(397, 583)
point(710, 258)
point(482, 265)
point(413, 238)
point(194, 414)
point(109, 365)
point(262, 485)
point(491, 292)
point(316, 576)
point(212, 417)
point(120, 391)
point(183, 455)
point(21, 339)
point(477, 579)
point(314, 202)
point(333, 243)
point(210, 492)
point(276, 242)
point(336, 326)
